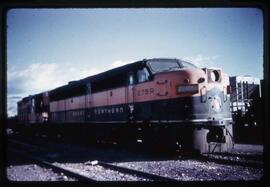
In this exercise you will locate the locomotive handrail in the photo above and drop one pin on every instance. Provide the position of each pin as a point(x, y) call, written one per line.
point(225, 98)
point(203, 100)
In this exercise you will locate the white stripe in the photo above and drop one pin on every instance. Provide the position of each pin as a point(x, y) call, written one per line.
point(107, 121)
point(192, 120)
point(166, 121)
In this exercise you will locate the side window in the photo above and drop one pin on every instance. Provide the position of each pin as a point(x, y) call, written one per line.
point(88, 88)
point(131, 79)
point(32, 105)
point(143, 75)
point(114, 81)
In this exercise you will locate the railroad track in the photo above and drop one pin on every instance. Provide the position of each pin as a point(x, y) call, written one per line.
point(137, 172)
point(226, 161)
point(80, 177)
point(130, 173)
point(55, 168)
point(255, 157)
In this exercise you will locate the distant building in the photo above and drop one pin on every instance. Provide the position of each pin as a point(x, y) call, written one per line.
point(244, 89)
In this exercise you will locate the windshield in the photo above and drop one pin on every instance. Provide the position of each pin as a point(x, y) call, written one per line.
point(187, 64)
point(160, 65)
point(163, 65)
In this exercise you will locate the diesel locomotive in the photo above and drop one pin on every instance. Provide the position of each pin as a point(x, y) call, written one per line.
point(160, 101)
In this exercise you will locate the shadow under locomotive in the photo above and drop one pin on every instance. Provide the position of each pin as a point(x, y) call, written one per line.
point(69, 150)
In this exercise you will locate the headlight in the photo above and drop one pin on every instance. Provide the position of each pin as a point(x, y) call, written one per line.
point(214, 75)
point(192, 88)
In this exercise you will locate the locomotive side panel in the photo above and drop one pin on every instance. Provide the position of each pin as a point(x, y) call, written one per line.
point(75, 109)
point(108, 106)
point(75, 116)
point(117, 96)
point(57, 111)
point(54, 106)
point(99, 99)
point(74, 103)
point(159, 100)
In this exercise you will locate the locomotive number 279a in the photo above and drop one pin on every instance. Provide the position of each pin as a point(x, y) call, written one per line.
point(145, 91)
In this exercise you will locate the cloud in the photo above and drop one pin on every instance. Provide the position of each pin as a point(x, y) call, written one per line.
point(12, 104)
point(40, 77)
point(202, 61)
point(119, 63)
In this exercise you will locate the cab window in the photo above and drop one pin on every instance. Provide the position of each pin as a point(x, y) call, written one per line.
point(131, 79)
point(143, 75)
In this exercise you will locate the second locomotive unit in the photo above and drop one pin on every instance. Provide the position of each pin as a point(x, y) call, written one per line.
point(153, 101)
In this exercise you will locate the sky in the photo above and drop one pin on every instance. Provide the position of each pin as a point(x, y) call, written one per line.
point(47, 48)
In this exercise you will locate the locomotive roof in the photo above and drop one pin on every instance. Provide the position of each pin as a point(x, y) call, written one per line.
point(107, 74)
point(112, 72)
point(78, 87)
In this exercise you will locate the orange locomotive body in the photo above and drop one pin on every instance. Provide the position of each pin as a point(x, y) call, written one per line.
point(163, 101)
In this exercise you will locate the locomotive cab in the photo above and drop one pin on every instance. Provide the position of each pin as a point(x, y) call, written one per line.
point(194, 99)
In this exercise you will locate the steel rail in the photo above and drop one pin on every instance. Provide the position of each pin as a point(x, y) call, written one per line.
point(206, 158)
point(258, 157)
point(136, 172)
point(55, 168)
point(101, 163)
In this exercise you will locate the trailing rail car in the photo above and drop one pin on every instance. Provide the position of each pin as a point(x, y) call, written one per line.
point(34, 108)
point(157, 101)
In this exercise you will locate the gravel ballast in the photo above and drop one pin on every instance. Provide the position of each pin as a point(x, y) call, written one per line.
point(77, 159)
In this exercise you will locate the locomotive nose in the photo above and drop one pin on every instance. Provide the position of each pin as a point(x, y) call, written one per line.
point(216, 104)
